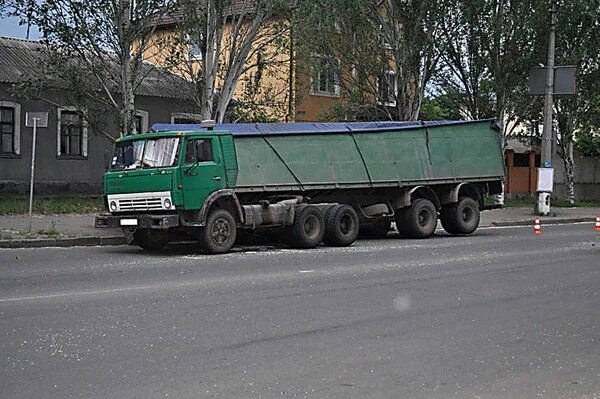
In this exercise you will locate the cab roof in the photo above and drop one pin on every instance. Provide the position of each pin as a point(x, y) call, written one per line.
point(171, 133)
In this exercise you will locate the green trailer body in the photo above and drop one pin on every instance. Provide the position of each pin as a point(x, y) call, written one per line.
point(437, 154)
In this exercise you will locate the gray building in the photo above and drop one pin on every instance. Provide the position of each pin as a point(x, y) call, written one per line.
point(70, 157)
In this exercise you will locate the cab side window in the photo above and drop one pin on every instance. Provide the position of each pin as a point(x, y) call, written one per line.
point(199, 150)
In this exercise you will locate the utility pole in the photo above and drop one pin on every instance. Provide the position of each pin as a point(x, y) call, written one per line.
point(543, 204)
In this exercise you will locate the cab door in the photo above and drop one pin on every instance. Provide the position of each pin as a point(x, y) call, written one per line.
point(202, 171)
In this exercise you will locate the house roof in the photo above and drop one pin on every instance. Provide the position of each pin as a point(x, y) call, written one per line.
point(21, 59)
point(174, 16)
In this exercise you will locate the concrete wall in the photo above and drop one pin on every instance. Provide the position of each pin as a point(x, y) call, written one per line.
point(586, 177)
point(64, 175)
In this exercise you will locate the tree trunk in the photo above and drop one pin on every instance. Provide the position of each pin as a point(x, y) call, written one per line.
point(569, 163)
point(127, 74)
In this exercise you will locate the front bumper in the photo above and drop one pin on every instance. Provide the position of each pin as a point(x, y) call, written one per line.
point(137, 221)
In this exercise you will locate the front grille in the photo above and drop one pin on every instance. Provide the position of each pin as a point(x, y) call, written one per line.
point(141, 204)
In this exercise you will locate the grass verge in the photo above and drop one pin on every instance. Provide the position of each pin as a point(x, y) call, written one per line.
point(52, 205)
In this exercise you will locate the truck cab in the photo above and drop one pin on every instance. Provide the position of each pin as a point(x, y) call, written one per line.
point(158, 181)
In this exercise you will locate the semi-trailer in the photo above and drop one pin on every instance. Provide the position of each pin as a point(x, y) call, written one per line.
point(313, 182)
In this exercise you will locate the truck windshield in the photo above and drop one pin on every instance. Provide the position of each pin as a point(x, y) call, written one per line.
point(150, 153)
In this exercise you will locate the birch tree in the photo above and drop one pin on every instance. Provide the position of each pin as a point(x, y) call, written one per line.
point(100, 44)
point(230, 38)
point(578, 44)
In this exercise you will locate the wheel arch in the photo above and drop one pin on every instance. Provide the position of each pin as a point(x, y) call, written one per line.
point(465, 189)
point(422, 192)
point(223, 199)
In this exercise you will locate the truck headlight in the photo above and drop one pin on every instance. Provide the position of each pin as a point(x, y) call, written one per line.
point(167, 203)
point(113, 206)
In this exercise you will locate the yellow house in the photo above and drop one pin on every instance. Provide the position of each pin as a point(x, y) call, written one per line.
point(279, 87)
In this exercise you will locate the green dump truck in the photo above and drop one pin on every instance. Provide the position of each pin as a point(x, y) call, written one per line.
point(314, 182)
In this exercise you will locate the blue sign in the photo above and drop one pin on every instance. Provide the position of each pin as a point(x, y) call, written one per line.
point(548, 164)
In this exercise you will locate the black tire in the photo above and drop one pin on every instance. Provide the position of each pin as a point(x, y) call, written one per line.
point(151, 239)
point(218, 236)
point(308, 228)
point(341, 226)
point(378, 229)
point(462, 217)
point(418, 220)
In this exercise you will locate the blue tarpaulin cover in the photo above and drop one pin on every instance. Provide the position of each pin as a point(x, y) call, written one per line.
point(267, 129)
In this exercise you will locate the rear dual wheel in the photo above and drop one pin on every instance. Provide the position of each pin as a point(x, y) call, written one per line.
point(308, 228)
point(341, 226)
point(418, 220)
point(462, 217)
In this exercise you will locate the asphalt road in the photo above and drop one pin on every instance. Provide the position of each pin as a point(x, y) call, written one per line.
point(500, 314)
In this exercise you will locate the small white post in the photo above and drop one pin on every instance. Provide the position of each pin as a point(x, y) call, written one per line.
point(35, 120)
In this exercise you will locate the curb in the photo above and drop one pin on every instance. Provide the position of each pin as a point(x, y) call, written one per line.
point(544, 221)
point(62, 242)
point(119, 240)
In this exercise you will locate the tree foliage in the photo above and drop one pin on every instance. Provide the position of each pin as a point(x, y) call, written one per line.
point(94, 49)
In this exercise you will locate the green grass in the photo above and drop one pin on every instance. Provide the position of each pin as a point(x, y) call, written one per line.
point(530, 202)
point(51, 205)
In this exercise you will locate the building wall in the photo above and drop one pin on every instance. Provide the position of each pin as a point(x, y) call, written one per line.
point(522, 180)
point(164, 49)
point(274, 86)
point(63, 175)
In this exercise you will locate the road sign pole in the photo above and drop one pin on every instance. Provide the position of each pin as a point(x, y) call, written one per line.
point(543, 204)
point(35, 120)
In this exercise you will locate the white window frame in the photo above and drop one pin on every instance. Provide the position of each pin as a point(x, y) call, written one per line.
point(389, 103)
point(191, 46)
point(84, 131)
point(144, 115)
point(186, 115)
point(17, 121)
point(336, 84)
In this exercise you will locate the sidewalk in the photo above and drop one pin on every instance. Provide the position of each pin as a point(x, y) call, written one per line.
point(78, 229)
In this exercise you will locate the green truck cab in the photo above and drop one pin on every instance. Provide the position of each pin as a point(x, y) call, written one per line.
point(315, 182)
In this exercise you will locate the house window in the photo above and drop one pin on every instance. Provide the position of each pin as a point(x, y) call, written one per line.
point(10, 118)
point(194, 51)
point(7, 130)
point(325, 76)
point(72, 133)
point(387, 88)
point(140, 122)
point(186, 118)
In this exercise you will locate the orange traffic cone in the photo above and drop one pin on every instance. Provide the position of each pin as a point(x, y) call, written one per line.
point(537, 228)
point(598, 223)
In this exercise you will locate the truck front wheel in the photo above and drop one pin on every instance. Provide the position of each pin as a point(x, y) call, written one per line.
point(308, 228)
point(219, 234)
point(418, 220)
point(151, 239)
point(462, 217)
point(341, 226)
